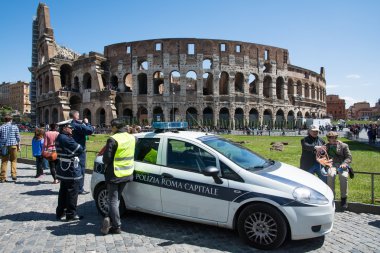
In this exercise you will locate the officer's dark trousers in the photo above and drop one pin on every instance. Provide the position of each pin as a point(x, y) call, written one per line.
point(114, 195)
point(68, 198)
point(82, 161)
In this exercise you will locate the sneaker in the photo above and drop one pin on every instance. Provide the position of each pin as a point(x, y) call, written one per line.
point(106, 225)
point(84, 192)
point(114, 230)
point(60, 217)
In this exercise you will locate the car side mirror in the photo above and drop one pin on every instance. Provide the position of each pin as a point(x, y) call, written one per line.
point(212, 171)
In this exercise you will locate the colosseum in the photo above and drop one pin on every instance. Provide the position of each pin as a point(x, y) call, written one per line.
point(215, 83)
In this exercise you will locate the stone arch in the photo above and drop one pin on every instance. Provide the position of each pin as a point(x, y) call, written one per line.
point(224, 83)
point(191, 81)
point(114, 82)
point(128, 82)
point(280, 87)
point(267, 86)
point(307, 90)
point(208, 83)
point(267, 118)
point(75, 87)
point(87, 81)
point(299, 88)
point(290, 119)
point(54, 116)
point(208, 117)
point(75, 103)
point(307, 115)
point(312, 91)
point(158, 83)
point(128, 116)
point(253, 84)
point(65, 73)
point(280, 119)
point(254, 118)
point(207, 64)
point(239, 118)
point(239, 82)
point(118, 105)
point(142, 81)
point(142, 115)
point(290, 87)
point(101, 116)
point(158, 114)
point(192, 116)
point(175, 78)
point(224, 118)
point(174, 114)
point(299, 119)
point(87, 114)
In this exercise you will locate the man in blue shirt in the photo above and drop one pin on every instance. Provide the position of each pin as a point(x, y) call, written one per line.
point(81, 128)
point(10, 138)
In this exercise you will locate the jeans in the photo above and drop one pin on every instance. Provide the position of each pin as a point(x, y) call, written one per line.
point(39, 164)
point(114, 195)
point(316, 169)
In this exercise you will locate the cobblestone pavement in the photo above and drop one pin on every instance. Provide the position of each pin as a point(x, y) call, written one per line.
point(27, 224)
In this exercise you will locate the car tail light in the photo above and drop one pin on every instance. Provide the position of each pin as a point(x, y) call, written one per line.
point(101, 152)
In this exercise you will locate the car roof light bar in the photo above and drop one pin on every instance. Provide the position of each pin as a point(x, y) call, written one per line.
point(169, 126)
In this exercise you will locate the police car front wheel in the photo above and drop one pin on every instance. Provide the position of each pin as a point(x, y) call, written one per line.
point(262, 226)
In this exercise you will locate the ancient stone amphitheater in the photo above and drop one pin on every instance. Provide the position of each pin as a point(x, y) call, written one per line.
point(208, 82)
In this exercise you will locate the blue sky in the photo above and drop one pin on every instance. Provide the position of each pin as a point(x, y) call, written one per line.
point(342, 36)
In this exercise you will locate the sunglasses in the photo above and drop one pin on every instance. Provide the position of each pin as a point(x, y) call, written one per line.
point(332, 137)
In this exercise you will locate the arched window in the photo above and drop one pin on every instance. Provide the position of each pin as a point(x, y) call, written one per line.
point(267, 86)
point(101, 117)
point(208, 86)
point(128, 82)
point(267, 118)
point(239, 82)
point(54, 115)
point(75, 102)
point(207, 64)
point(114, 82)
point(158, 114)
point(280, 88)
point(158, 83)
point(192, 116)
point(224, 118)
point(253, 84)
point(76, 84)
point(175, 77)
point(239, 118)
point(223, 83)
point(253, 118)
point(280, 119)
point(143, 83)
point(128, 116)
point(208, 117)
point(65, 73)
point(191, 81)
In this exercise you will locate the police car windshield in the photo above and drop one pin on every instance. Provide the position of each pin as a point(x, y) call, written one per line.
point(240, 155)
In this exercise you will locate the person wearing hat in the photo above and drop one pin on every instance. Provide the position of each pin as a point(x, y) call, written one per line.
point(69, 172)
point(10, 142)
point(341, 159)
point(310, 145)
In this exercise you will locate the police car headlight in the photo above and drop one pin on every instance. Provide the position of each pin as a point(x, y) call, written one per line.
point(309, 196)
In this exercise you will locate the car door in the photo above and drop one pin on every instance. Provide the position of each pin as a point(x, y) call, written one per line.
point(185, 190)
point(144, 191)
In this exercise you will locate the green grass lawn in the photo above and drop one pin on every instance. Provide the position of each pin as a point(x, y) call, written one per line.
point(365, 158)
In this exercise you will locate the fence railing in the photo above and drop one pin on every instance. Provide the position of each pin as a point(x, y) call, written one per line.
point(26, 152)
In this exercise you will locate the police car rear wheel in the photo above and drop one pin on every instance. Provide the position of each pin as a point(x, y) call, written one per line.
point(262, 226)
point(101, 199)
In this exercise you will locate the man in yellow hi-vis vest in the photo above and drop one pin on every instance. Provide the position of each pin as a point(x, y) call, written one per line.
point(118, 159)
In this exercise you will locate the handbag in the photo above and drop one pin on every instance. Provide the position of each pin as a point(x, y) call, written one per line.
point(50, 155)
point(351, 172)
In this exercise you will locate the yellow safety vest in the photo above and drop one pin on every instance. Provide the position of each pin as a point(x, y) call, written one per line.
point(123, 162)
point(151, 156)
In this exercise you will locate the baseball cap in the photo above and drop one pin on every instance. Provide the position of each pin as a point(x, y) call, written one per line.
point(313, 128)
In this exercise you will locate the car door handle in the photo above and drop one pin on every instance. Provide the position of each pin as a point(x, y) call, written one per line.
point(166, 175)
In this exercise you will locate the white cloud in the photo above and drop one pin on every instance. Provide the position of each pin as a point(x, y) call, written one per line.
point(353, 76)
point(349, 101)
point(332, 86)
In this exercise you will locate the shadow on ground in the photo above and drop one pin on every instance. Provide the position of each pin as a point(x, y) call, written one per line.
point(40, 192)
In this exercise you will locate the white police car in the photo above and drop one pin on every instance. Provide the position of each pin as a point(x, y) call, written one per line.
point(204, 178)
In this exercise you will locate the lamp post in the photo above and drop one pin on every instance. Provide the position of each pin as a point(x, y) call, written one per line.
point(298, 99)
point(173, 103)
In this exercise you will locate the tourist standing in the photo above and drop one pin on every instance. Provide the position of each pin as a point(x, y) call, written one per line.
point(49, 145)
point(118, 160)
point(37, 148)
point(310, 145)
point(81, 128)
point(10, 143)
